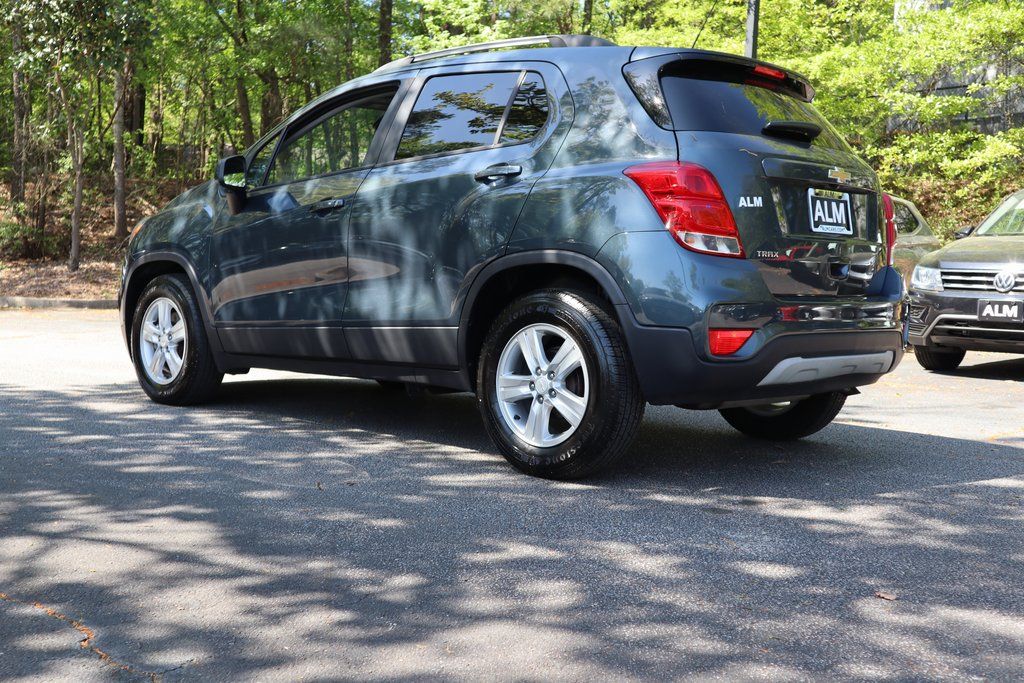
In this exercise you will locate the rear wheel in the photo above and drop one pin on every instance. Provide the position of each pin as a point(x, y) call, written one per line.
point(787, 420)
point(936, 358)
point(172, 356)
point(556, 387)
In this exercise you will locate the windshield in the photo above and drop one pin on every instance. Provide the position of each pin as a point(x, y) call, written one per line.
point(1008, 219)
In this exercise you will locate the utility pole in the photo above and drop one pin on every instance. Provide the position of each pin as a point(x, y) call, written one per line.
point(753, 11)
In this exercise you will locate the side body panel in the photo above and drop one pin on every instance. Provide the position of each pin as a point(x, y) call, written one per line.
point(584, 199)
point(422, 227)
point(281, 270)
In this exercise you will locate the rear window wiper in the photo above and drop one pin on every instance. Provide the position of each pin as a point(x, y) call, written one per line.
point(797, 130)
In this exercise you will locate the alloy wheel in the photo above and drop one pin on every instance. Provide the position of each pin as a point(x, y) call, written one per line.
point(163, 341)
point(543, 387)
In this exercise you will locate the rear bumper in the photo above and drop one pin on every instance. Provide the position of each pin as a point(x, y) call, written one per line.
point(951, 319)
point(790, 364)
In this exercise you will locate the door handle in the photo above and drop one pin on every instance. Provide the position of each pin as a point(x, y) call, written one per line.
point(326, 206)
point(498, 171)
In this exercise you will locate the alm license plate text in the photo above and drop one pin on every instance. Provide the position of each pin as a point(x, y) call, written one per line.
point(995, 311)
point(830, 212)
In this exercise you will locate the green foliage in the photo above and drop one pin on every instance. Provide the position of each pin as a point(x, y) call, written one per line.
point(883, 75)
point(25, 241)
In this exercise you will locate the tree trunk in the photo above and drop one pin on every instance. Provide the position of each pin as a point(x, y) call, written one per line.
point(647, 14)
point(136, 123)
point(156, 121)
point(384, 32)
point(19, 152)
point(271, 103)
point(588, 16)
point(76, 146)
point(78, 162)
point(242, 102)
point(121, 87)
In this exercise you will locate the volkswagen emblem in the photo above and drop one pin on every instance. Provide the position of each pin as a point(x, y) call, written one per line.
point(1005, 280)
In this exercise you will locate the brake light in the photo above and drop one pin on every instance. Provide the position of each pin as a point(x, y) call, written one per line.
point(727, 342)
point(769, 72)
point(890, 228)
point(690, 202)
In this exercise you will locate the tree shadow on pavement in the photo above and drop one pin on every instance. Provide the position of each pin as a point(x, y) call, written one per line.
point(328, 529)
point(1010, 369)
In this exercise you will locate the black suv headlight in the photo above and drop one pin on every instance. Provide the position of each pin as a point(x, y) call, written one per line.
point(926, 279)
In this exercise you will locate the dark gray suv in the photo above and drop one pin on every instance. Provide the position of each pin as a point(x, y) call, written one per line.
point(969, 295)
point(569, 231)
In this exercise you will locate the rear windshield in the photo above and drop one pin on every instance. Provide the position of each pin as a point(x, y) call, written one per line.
point(1008, 219)
point(714, 97)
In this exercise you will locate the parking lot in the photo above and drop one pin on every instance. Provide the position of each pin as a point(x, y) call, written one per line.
point(307, 527)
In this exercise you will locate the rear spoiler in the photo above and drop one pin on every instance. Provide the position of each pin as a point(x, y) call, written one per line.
point(647, 65)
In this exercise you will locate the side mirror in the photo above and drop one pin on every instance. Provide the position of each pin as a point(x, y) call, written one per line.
point(963, 232)
point(230, 175)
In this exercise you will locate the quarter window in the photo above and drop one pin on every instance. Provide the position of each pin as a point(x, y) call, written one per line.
point(336, 143)
point(457, 112)
point(529, 111)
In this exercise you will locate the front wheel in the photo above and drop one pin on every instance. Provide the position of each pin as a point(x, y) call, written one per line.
point(172, 355)
point(938, 358)
point(788, 420)
point(556, 387)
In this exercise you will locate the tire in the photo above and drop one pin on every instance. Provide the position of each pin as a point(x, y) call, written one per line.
point(801, 419)
point(934, 358)
point(613, 405)
point(198, 378)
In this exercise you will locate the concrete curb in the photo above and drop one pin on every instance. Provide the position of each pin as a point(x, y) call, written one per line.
point(35, 302)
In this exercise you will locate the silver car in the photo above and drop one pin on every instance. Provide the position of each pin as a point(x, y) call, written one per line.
point(914, 237)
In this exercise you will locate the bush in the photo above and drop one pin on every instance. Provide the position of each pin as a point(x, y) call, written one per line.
point(956, 177)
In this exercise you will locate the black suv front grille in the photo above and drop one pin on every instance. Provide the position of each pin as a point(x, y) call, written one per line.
point(976, 280)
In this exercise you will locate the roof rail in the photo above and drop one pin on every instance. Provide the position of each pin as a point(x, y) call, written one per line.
point(564, 40)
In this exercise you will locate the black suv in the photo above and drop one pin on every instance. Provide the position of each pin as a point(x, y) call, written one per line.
point(969, 295)
point(570, 231)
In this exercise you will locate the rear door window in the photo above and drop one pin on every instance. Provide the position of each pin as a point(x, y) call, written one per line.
point(710, 96)
point(461, 112)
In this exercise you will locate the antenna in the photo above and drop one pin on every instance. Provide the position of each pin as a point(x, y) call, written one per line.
point(704, 23)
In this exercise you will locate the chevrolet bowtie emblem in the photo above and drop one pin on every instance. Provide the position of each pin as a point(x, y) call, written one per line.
point(839, 175)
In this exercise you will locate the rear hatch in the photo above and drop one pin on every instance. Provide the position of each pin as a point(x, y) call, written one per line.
point(807, 209)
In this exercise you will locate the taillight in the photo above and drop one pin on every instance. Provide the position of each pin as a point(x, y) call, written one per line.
point(890, 228)
point(727, 342)
point(690, 202)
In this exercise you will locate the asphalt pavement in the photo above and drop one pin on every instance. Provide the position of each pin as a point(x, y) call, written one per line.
point(304, 528)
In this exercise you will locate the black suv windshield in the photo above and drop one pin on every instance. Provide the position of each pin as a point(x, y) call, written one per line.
point(1008, 219)
point(715, 97)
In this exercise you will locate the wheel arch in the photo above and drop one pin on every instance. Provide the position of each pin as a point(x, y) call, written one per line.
point(511, 276)
point(143, 270)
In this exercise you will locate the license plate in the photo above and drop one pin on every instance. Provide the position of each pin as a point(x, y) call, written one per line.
point(830, 212)
point(996, 311)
